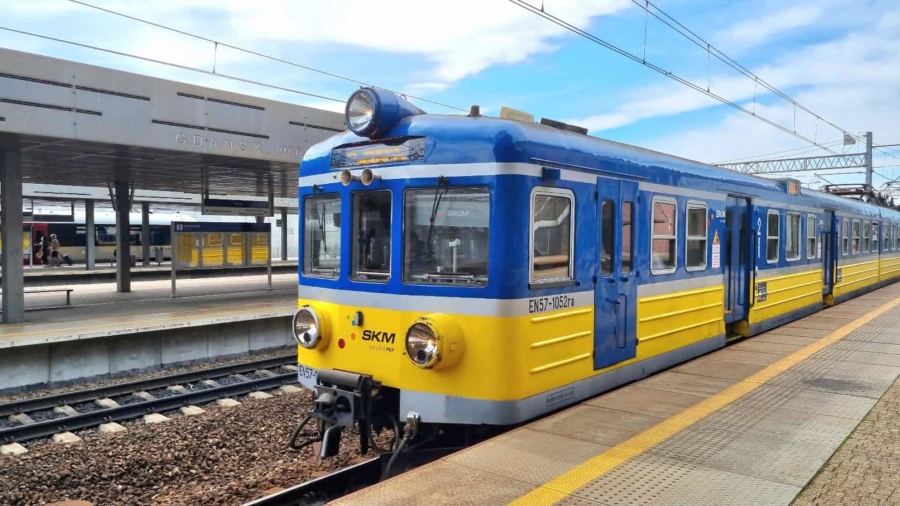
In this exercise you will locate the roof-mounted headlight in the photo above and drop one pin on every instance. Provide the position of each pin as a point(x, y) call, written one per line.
point(372, 112)
point(361, 111)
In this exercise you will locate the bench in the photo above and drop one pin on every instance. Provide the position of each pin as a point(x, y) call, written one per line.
point(50, 290)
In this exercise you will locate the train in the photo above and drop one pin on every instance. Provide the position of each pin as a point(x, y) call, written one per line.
point(464, 270)
point(72, 236)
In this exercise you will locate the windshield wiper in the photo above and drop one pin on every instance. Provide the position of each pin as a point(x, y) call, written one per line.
point(435, 205)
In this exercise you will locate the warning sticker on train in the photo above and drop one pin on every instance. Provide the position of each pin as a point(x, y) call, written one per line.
point(716, 251)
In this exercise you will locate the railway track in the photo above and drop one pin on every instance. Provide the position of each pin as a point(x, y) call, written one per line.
point(78, 410)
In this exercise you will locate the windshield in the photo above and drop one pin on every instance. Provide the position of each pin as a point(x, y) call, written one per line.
point(445, 235)
point(322, 236)
point(372, 232)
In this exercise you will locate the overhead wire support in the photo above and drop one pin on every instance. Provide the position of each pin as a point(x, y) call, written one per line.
point(660, 70)
point(850, 161)
point(261, 55)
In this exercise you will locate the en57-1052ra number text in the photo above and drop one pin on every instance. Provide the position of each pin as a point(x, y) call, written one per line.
point(550, 303)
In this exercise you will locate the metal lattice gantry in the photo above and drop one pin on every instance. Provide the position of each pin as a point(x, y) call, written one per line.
point(848, 161)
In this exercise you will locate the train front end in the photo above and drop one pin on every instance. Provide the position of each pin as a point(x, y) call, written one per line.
point(395, 312)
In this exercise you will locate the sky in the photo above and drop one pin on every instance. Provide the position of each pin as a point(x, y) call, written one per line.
point(837, 58)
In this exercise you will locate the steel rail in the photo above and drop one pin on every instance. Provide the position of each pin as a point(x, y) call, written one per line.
point(94, 418)
point(77, 396)
point(325, 488)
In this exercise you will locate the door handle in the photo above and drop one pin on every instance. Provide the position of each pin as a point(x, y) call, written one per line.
point(610, 280)
point(624, 278)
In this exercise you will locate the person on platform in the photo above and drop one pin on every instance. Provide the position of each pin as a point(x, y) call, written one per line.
point(55, 259)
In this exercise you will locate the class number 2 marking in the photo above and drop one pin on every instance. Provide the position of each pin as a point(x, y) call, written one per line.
point(306, 372)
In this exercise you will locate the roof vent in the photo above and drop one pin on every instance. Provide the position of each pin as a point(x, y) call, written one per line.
point(564, 126)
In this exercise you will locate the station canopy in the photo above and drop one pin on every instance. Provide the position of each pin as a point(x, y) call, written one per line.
point(83, 125)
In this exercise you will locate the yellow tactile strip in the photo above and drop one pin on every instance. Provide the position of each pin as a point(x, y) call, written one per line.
point(560, 487)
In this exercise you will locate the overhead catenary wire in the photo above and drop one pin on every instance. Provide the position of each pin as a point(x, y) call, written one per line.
point(660, 70)
point(218, 43)
point(170, 64)
point(712, 49)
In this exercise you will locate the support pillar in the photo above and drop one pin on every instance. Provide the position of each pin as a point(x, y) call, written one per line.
point(90, 236)
point(869, 159)
point(123, 237)
point(145, 233)
point(11, 223)
point(284, 233)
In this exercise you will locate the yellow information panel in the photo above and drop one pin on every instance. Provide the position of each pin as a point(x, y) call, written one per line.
point(188, 251)
point(236, 247)
point(213, 249)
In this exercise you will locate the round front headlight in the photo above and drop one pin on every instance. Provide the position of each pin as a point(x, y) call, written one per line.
point(307, 327)
point(360, 112)
point(422, 345)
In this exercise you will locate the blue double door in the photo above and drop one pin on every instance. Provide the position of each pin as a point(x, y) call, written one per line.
point(738, 258)
point(615, 290)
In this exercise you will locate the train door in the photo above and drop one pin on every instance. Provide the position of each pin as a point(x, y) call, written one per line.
point(828, 243)
point(615, 296)
point(737, 260)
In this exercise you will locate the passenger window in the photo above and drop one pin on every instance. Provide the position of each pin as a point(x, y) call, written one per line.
point(322, 236)
point(665, 223)
point(445, 235)
point(812, 236)
point(885, 237)
point(894, 235)
point(607, 236)
point(865, 237)
point(627, 245)
point(874, 243)
point(371, 218)
point(792, 237)
point(773, 237)
point(845, 237)
point(854, 246)
point(551, 235)
point(695, 256)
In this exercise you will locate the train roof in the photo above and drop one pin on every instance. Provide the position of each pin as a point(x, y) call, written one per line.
point(486, 139)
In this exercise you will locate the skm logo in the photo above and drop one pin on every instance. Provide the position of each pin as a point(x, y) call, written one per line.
point(378, 337)
point(461, 214)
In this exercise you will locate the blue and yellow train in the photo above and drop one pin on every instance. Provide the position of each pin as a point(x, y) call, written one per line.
point(478, 270)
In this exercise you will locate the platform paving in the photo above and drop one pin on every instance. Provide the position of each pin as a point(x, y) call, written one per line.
point(748, 425)
point(866, 468)
point(98, 311)
point(108, 333)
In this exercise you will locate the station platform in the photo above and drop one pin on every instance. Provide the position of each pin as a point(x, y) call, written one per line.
point(106, 273)
point(747, 425)
point(106, 333)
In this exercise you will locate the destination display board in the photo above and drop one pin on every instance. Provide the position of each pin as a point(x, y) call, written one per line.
point(401, 150)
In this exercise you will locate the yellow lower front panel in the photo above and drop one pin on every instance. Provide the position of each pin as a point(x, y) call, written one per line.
point(506, 358)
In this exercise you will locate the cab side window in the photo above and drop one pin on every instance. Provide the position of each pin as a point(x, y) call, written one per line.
point(552, 235)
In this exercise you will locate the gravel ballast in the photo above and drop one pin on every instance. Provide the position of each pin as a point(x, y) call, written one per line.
point(226, 456)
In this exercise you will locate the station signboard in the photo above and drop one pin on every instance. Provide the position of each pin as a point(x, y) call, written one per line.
point(231, 207)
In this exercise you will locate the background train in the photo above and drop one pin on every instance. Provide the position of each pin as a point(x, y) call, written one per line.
point(71, 236)
point(475, 270)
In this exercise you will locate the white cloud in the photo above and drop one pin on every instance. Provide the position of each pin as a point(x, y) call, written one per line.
point(859, 65)
point(760, 30)
point(461, 37)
